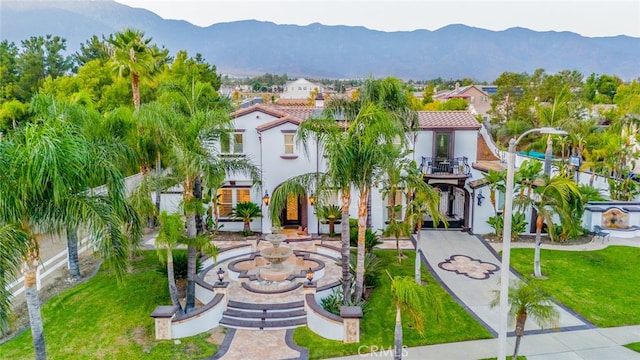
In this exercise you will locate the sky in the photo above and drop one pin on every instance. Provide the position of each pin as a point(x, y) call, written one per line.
point(587, 17)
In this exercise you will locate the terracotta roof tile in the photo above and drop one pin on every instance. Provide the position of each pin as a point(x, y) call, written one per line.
point(280, 121)
point(447, 119)
point(271, 110)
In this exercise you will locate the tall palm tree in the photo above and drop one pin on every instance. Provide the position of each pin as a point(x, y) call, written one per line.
point(191, 158)
point(527, 301)
point(496, 181)
point(44, 166)
point(550, 197)
point(132, 55)
point(13, 245)
point(171, 229)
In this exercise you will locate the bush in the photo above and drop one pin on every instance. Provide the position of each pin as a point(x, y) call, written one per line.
point(334, 301)
point(180, 263)
point(370, 238)
point(372, 269)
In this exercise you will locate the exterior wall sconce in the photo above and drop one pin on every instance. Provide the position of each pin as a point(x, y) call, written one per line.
point(480, 198)
point(312, 199)
point(310, 275)
point(220, 273)
point(265, 198)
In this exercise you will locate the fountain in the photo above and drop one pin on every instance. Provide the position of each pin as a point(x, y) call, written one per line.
point(276, 255)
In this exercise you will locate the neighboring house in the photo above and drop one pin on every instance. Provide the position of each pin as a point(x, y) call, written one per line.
point(445, 146)
point(479, 100)
point(299, 89)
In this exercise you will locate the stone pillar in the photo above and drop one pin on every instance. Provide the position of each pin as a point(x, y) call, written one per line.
point(253, 241)
point(163, 316)
point(222, 288)
point(351, 316)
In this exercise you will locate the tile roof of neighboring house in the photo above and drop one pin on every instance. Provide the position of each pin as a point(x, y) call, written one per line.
point(271, 110)
point(280, 121)
point(447, 119)
point(301, 112)
point(292, 102)
point(458, 93)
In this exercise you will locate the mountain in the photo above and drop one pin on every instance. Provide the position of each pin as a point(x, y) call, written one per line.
point(318, 51)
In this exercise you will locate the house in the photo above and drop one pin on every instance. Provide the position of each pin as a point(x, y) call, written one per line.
point(299, 89)
point(479, 100)
point(444, 146)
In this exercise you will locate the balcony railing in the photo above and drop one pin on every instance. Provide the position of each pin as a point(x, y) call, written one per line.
point(448, 167)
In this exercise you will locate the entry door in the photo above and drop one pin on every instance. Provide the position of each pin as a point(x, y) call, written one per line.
point(291, 213)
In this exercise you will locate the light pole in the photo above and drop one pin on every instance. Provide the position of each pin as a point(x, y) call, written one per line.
point(506, 238)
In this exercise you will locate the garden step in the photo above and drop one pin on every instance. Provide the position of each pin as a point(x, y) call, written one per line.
point(296, 305)
point(262, 324)
point(264, 315)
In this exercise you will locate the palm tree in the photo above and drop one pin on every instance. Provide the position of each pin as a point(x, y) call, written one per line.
point(190, 157)
point(329, 213)
point(171, 229)
point(133, 55)
point(550, 196)
point(13, 245)
point(43, 167)
point(525, 301)
point(246, 211)
point(410, 298)
point(496, 182)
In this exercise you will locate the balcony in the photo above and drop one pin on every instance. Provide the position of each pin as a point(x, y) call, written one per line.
point(454, 168)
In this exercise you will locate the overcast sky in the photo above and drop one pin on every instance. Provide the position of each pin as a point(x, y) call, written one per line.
point(588, 18)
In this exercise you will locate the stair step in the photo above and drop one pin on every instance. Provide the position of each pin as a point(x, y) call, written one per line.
point(265, 315)
point(261, 324)
point(261, 307)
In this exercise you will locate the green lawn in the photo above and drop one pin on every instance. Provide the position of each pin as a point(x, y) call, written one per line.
point(595, 284)
point(103, 319)
point(634, 346)
point(377, 326)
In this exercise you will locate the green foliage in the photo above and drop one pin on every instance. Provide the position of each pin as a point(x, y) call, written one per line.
point(335, 300)
point(180, 262)
point(372, 269)
point(246, 211)
point(518, 224)
point(453, 104)
point(370, 238)
point(411, 298)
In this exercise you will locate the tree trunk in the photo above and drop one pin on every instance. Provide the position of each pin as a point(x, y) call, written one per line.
point(397, 336)
point(536, 257)
point(197, 193)
point(158, 190)
point(332, 226)
point(135, 89)
point(33, 306)
point(191, 264)
point(346, 246)
point(173, 290)
point(520, 321)
point(418, 275)
point(72, 251)
point(362, 227)
point(247, 227)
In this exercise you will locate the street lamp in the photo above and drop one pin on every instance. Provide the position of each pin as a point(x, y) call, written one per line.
point(506, 237)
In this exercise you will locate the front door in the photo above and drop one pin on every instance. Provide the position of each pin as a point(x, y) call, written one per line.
point(291, 214)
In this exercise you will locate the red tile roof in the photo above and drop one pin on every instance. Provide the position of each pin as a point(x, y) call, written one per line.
point(447, 119)
point(271, 110)
point(280, 121)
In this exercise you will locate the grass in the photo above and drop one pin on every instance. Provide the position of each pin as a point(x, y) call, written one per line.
point(102, 319)
point(377, 326)
point(595, 284)
point(634, 346)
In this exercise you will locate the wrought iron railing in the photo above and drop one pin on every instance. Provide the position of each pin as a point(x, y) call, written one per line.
point(458, 166)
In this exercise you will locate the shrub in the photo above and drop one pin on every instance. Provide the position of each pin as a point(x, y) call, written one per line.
point(180, 262)
point(372, 269)
point(370, 238)
point(334, 301)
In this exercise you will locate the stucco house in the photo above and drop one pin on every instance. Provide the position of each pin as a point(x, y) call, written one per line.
point(445, 146)
point(479, 100)
point(299, 89)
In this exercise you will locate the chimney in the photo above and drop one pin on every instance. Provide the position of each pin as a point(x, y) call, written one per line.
point(457, 86)
point(319, 100)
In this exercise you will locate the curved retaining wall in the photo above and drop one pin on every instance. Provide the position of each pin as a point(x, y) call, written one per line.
point(322, 322)
point(201, 320)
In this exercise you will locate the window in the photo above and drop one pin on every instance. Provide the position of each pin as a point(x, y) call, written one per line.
point(230, 197)
point(289, 146)
point(473, 99)
point(232, 144)
point(484, 99)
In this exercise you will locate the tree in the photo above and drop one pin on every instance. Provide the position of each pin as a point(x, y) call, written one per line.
point(410, 298)
point(132, 55)
point(550, 197)
point(13, 245)
point(171, 229)
point(246, 211)
point(526, 300)
point(43, 167)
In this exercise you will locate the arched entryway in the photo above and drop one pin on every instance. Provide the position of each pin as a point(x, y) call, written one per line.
point(454, 206)
point(295, 214)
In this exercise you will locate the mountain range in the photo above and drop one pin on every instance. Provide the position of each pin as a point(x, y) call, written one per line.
point(318, 51)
